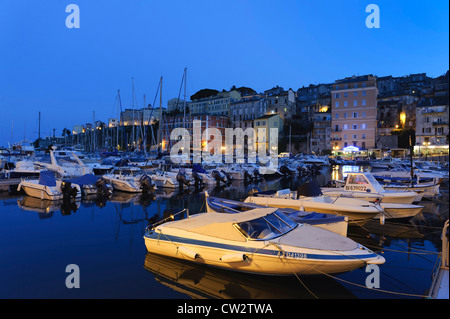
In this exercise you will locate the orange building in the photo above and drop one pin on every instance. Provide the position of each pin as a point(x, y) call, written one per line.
point(354, 113)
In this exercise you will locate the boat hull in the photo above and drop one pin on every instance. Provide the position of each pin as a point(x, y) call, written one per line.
point(355, 215)
point(262, 258)
point(388, 197)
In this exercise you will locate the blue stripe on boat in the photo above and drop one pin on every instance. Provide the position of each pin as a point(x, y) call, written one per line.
point(182, 240)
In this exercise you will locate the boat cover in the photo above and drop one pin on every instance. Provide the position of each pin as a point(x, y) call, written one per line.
point(309, 189)
point(217, 225)
point(87, 179)
point(198, 168)
point(47, 178)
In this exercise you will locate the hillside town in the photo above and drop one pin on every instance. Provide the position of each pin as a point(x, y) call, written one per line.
point(366, 115)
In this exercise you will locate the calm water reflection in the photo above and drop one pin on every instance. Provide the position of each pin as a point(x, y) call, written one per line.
point(39, 239)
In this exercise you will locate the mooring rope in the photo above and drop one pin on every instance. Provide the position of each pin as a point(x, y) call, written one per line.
point(348, 282)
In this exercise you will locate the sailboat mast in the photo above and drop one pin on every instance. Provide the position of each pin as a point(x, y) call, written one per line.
point(184, 103)
point(118, 118)
point(160, 116)
point(132, 84)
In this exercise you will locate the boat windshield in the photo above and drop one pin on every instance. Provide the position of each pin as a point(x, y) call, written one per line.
point(267, 227)
point(374, 183)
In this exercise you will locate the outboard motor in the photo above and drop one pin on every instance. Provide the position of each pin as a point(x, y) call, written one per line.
point(285, 170)
point(257, 175)
point(331, 184)
point(182, 180)
point(146, 183)
point(227, 175)
point(68, 191)
point(253, 190)
point(218, 177)
point(197, 179)
point(247, 177)
point(103, 189)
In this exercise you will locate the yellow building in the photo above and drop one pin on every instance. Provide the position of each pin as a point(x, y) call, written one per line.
point(264, 136)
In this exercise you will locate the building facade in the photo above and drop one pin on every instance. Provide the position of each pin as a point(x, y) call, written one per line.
point(198, 121)
point(245, 111)
point(432, 125)
point(218, 105)
point(354, 113)
point(262, 126)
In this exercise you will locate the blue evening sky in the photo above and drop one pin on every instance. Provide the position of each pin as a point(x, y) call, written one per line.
point(67, 74)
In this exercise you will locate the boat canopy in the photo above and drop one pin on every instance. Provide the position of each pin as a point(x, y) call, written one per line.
point(87, 179)
point(310, 189)
point(220, 225)
point(198, 168)
point(47, 178)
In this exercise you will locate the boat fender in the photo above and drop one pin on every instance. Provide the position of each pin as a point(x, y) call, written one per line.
point(188, 252)
point(382, 219)
point(232, 258)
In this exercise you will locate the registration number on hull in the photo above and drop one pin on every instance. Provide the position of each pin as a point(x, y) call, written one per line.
point(296, 255)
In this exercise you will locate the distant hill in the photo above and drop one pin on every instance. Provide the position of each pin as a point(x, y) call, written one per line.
point(204, 93)
point(244, 90)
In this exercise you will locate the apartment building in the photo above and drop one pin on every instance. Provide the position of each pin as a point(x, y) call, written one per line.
point(354, 113)
point(432, 125)
point(245, 111)
point(218, 105)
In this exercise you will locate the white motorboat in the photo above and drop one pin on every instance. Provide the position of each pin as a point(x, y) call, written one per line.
point(427, 190)
point(92, 185)
point(130, 183)
point(170, 179)
point(308, 198)
point(259, 241)
point(165, 179)
point(336, 224)
point(363, 185)
point(66, 168)
point(23, 168)
point(48, 187)
point(399, 211)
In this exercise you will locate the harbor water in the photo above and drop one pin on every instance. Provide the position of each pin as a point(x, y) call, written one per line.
point(41, 242)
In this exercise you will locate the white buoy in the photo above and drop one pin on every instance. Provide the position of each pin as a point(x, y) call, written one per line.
point(188, 252)
point(232, 258)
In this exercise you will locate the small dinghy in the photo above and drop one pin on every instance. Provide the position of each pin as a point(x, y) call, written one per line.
point(260, 241)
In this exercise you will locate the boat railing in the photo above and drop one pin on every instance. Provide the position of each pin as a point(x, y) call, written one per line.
point(444, 257)
point(168, 218)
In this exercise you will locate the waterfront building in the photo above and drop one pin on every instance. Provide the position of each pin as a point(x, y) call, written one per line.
point(205, 121)
point(143, 116)
point(218, 105)
point(314, 107)
point(432, 125)
point(113, 122)
point(177, 104)
point(280, 102)
point(246, 110)
point(354, 113)
point(262, 126)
